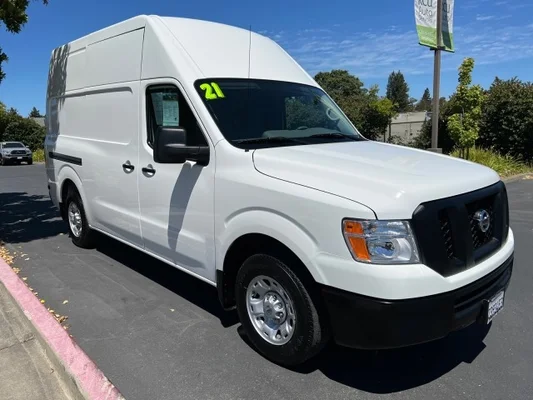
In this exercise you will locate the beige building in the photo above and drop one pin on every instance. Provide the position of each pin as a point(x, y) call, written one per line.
point(39, 120)
point(407, 126)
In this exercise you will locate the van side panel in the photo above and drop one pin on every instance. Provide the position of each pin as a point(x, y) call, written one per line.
point(96, 95)
point(115, 60)
point(66, 74)
point(75, 67)
point(111, 140)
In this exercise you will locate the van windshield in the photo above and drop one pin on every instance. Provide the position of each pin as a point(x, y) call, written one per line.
point(253, 113)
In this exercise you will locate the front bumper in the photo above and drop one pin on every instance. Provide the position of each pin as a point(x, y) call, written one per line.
point(19, 157)
point(369, 323)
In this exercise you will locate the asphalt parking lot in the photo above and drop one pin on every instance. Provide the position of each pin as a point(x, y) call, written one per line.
point(159, 334)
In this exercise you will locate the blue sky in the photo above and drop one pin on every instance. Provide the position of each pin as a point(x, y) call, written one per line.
point(370, 39)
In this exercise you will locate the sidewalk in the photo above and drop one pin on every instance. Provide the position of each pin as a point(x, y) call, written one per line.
point(38, 358)
point(26, 371)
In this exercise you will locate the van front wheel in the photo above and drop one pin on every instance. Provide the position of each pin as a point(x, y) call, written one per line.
point(79, 230)
point(277, 312)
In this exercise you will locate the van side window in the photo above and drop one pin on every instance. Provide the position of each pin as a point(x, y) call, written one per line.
point(166, 106)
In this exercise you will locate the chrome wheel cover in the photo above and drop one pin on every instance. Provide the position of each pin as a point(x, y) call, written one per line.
point(270, 310)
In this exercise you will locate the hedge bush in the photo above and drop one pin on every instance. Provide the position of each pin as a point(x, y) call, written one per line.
point(507, 120)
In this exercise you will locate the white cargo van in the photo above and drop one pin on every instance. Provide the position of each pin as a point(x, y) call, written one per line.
point(210, 148)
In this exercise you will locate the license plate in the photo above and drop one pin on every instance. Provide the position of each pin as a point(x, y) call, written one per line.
point(19, 158)
point(495, 306)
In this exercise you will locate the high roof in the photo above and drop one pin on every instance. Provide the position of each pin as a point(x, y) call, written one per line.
point(217, 50)
point(220, 50)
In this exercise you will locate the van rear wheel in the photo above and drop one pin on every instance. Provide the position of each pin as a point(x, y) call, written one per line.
point(277, 312)
point(80, 232)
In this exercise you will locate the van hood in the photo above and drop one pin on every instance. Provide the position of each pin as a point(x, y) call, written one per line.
point(389, 179)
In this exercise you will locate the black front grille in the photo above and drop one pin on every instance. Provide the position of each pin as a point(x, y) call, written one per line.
point(446, 230)
point(450, 236)
point(18, 152)
point(480, 238)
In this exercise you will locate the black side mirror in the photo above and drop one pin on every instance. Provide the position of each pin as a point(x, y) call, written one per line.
point(170, 148)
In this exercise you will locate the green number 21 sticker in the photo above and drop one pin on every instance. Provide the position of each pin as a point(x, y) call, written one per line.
point(212, 91)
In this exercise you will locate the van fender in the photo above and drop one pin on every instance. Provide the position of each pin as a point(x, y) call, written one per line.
point(67, 172)
point(275, 225)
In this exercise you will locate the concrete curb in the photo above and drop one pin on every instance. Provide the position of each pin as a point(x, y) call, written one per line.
point(90, 380)
point(518, 177)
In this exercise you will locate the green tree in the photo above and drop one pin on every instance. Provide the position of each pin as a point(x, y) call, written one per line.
point(365, 109)
point(27, 131)
point(507, 121)
point(7, 116)
point(425, 102)
point(347, 91)
point(412, 104)
point(378, 114)
point(442, 102)
point(463, 125)
point(13, 16)
point(398, 91)
point(34, 113)
point(445, 142)
point(423, 140)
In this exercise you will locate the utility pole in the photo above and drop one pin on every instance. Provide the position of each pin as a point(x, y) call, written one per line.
point(436, 83)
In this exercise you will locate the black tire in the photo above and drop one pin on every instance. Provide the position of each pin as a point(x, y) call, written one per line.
point(86, 239)
point(30, 161)
point(310, 332)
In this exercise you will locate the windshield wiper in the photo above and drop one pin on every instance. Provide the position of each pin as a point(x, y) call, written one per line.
point(335, 135)
point(269, 139)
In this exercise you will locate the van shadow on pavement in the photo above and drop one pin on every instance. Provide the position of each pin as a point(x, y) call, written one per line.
point(25, 217)
point(184, 285)
point(391, 371)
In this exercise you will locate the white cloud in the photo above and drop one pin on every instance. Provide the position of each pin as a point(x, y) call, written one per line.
point(469, 6)
point(375, 54)
point(519, 6)
point(484, 17)
point(317, 30)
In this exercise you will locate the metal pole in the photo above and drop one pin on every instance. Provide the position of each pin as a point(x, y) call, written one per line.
point(436, 83)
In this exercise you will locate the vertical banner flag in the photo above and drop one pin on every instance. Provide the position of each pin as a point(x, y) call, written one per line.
point(426, 23)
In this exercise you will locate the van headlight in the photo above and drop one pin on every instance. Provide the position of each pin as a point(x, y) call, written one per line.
point(381, 242)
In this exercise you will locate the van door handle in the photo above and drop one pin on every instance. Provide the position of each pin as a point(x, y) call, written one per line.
point(148, 170)
point(128, 167)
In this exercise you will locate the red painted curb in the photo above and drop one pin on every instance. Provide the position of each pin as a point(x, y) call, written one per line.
point(92, 381)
